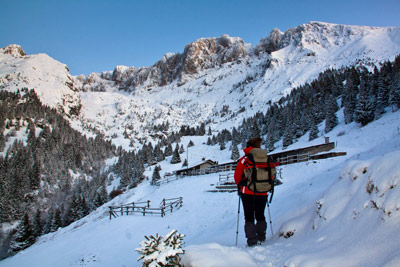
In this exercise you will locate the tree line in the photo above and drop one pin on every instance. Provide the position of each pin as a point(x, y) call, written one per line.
point(363, 96)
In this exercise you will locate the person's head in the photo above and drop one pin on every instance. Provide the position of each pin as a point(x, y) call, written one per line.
point(254, 142)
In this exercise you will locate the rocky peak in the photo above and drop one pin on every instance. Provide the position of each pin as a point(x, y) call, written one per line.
point(14, 50)
point(271, 43)
point(205, 53)
point(321, 34)
point(208, 53)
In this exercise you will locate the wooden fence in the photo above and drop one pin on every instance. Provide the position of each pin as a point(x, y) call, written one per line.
point(166, 205)
point(226, 178)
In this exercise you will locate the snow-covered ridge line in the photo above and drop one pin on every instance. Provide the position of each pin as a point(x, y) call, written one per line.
point(214, 78)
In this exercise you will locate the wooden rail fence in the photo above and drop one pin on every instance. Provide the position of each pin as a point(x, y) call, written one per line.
point(166, 205)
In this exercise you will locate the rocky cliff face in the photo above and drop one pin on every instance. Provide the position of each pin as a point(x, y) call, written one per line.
point(203, 54)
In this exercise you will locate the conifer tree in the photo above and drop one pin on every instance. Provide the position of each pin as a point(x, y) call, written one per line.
point(365, 109)
point(270, 143)
point(209, 141)
point(185, 163)
point(156, 175)
point(168, 150)
point(349, 99)
point(56, 222)
point(222, 145)
point(161, 251)
point(331, 119)
point(235, 153)
point(313, 132)
point(24, 237)
point(37, 223)
point(181, 149)
point(287, 137)
point(175, 157)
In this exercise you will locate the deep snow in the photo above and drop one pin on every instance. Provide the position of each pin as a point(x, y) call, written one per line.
point(342, 211)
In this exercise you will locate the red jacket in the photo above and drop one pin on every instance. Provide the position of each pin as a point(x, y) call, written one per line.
point(244, 161)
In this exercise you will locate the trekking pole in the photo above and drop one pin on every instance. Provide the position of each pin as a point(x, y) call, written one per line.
point(269, 214)
point(237, 224)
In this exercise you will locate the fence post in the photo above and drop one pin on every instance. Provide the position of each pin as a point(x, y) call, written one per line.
point(148, 203)
point(110, 211)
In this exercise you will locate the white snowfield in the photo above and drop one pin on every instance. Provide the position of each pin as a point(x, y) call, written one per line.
point(342, 211)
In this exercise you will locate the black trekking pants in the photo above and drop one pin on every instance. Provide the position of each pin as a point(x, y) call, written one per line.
point(254, 206)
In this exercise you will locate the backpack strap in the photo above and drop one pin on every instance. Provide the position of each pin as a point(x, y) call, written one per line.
point(254, 171)
point(271, 164)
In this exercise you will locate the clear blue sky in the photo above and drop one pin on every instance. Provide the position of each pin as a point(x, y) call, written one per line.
point(95, 36)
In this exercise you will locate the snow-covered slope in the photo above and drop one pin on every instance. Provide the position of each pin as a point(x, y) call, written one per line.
point(214, 80)
point(278, 64)
point(50, 78)
point(341, 211)
point(338, 209)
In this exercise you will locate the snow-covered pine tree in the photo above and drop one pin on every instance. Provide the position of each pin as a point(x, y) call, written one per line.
point(331, 119)
point(235, 153)
point(209, 141)
point(382, 93)
point(394, 94)
point(288, 136)
point(190, 143)
point(175, 156)
point(56, 221)
point(156, 176)
point(365, 109)
point(160, 251)
point(168, 150)
point(24, 237)
point(349, 98)
point(313, 131)
point(181, 149)
point(222, 145)
point(38, 223)
point(269, 146)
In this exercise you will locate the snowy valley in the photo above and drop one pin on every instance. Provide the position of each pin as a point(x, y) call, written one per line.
point(341, 211)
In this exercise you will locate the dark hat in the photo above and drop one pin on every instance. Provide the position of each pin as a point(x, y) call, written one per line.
point(254, 142)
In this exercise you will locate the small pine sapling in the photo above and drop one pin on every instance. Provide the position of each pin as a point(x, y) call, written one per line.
point(158, 251)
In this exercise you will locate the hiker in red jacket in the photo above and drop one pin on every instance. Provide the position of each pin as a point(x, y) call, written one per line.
point(253, 203)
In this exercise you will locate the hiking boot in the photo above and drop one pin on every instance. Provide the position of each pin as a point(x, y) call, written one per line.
point(251, 234)
point(261, 228)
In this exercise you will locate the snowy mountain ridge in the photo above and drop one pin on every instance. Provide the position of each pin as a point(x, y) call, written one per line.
point(216, 79)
